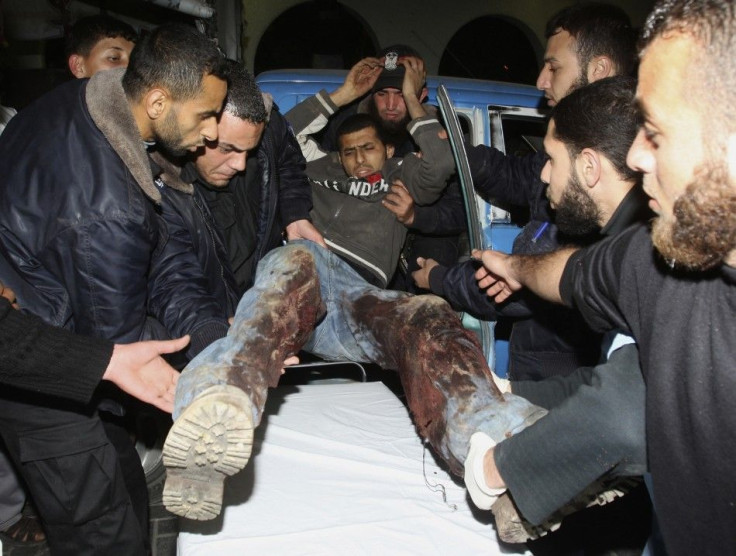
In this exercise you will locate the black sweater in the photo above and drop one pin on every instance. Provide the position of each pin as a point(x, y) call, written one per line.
point(684, 326)
point(42, 358)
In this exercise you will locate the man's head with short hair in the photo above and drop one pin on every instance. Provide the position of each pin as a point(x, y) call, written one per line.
point(586, 42)
point(361, 145)
point(240, 128)
point(687, 145)
point(176, 82)
point(588, 138)
point(387, 103)
point(99, 42)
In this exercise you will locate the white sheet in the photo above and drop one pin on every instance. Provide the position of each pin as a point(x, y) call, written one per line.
point(337, 469)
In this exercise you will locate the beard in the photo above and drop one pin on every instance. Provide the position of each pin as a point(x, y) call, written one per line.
point(701, 232)
point(576, 214)
point(581, 81)
point(168, 136)
point(393, 132)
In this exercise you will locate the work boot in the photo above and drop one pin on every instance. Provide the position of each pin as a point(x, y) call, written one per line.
point(221, 394)
point(211, 439)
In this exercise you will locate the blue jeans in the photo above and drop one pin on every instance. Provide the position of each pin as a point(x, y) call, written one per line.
point(306, 297)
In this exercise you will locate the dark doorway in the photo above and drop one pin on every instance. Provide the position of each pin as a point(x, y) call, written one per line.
point(491, 48)
point(317, 34)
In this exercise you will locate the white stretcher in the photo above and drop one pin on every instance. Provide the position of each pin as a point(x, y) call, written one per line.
point(338, 469)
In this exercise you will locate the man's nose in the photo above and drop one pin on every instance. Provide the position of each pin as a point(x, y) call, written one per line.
point(543, 79)
point(209, 129)
point(238, 161)
point(639, 157)
point(546, 171)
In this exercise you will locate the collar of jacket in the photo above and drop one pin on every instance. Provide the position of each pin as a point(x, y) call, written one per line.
point(109, 109)
point(170, 172)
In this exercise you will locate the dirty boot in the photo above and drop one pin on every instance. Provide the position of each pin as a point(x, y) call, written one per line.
point(210, 440)
point(222, 392)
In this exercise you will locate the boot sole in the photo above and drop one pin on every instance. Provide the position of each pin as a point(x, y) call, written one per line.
point(212, 439)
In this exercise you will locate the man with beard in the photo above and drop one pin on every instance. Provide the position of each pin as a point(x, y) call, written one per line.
point(596, 416)
point(95, 43)
point(78, 223)
point(586, 42)
point(673, 290)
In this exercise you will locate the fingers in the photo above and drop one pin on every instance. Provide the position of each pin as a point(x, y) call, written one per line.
point(292, 360)
point(170, 346)
point(8, 294)
point(421, 261)
point(164, 399)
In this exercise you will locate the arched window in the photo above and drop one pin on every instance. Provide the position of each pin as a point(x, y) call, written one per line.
point(492, 47)
point(317, 34)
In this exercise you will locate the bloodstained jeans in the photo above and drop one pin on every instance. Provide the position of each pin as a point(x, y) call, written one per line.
point(306, 297)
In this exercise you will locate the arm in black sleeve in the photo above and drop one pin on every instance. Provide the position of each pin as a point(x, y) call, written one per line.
point(602, 281)
point(180, 295)
point(457, 284)
point(295, 192)
point(42, 358)
point(446, 216)
point(506, 179)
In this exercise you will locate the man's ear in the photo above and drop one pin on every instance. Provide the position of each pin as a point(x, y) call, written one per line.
point(423, 94)
point(76, 66)
point(588, 163)
point(390, 151)
point(600, 67)
point(156, 102)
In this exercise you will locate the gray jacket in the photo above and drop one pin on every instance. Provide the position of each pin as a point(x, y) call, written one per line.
point(348, 211)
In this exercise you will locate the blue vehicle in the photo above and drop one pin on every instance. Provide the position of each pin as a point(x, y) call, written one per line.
point(507, 116)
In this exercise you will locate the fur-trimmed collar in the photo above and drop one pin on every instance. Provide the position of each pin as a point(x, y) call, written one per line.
point(110, 111)
point(171, 172)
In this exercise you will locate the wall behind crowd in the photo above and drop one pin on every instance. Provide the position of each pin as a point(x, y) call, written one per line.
point(490, 39)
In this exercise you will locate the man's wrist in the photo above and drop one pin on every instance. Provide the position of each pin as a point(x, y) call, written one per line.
point(341, 97)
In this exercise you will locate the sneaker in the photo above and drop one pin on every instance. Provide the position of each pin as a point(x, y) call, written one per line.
point(212, 439)
point(513, 528)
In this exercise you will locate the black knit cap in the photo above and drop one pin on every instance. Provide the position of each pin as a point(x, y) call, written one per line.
point(393, 79)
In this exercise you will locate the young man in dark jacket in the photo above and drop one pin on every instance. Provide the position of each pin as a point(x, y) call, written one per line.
point(78, 214)
point(306, 296)
point(674, 288)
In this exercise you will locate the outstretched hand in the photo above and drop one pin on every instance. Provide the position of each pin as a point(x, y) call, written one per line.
point(304, 229)
point(139, 370)
point(496, 274)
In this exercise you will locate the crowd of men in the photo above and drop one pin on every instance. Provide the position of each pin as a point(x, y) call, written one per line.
point(170, 198)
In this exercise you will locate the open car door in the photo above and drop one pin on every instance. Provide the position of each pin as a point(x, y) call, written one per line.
point(473, 206)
